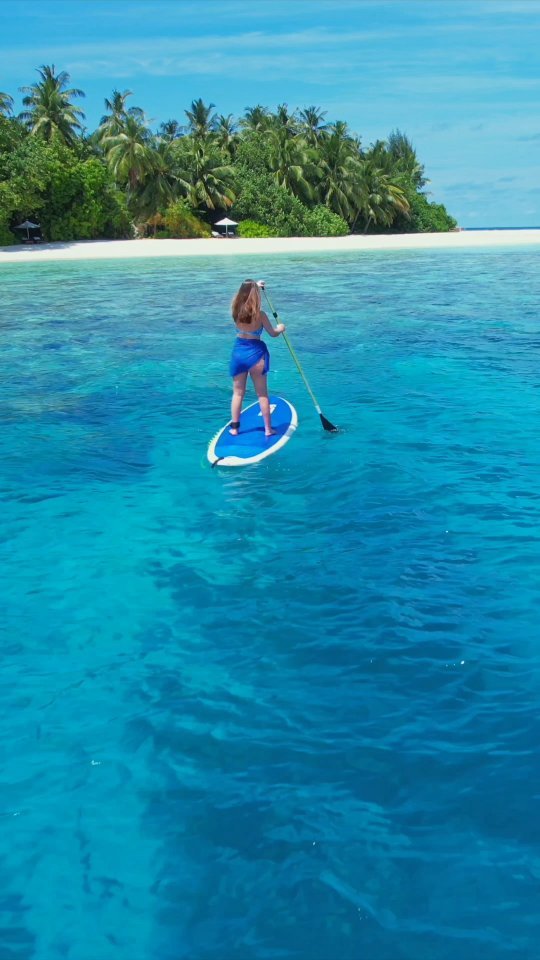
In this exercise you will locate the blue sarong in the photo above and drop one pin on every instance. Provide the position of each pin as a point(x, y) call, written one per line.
point(246, 353)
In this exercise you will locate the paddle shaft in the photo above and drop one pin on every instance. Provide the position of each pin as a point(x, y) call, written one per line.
point(326, 423)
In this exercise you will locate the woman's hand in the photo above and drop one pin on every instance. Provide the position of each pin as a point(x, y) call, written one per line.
point(281, 328)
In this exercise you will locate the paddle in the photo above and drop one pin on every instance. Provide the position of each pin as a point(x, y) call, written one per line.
point(326, 423)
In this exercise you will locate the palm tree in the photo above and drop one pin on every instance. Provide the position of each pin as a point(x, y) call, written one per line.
point(291, 163)
point(201, 120)
point(116, 106)
point(400, 164)
point(6, 104)
point(129, 153)
point(379, 198)
point(403, 153)
point(226, 135)
point(378, 155)
point(311, 124)
point(283, 120)
point(49, 109)
point(170, 130)
point(339, 163)
point(159, 184)
point(255, 119)
point(204, 177)
point(340, 129)
point(113, 122)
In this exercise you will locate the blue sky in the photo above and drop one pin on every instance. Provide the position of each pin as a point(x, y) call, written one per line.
point(460, 77)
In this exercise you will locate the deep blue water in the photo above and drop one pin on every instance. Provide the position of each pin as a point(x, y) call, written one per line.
point(289, 712)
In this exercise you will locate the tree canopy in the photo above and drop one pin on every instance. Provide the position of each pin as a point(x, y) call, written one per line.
point(285, 172)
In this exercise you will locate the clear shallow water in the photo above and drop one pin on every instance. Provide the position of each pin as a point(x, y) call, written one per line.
point(289, 711)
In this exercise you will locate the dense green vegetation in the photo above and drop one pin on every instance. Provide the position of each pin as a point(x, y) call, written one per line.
point(278, 174)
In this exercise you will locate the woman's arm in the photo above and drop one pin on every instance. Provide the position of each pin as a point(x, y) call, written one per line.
point(273, 331)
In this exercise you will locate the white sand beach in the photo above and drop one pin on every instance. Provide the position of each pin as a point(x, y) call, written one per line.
point(221, 247)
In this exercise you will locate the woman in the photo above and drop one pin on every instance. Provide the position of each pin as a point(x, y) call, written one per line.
point(250, 353)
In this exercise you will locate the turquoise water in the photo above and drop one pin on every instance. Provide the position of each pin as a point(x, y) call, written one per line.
point(288, 712)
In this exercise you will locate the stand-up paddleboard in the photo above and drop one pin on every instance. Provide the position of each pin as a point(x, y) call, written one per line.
point(251, 444)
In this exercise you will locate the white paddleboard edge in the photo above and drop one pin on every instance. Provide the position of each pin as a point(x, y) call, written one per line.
point(244, 461)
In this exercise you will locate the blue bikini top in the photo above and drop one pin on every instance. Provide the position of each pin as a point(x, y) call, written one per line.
point(254, 333)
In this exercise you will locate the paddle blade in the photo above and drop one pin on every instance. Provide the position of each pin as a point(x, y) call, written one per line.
point(327, 425)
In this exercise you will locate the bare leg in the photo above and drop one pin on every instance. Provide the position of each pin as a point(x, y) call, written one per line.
point(239, 389)
point(261, 387)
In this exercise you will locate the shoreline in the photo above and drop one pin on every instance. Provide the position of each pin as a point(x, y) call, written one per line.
point(148, 248)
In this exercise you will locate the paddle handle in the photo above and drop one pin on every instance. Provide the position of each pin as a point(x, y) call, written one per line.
point(326, 424)
point(293, 355)
point(300, 371)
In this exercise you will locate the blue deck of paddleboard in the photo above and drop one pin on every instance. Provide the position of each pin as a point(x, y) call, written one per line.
point(251, 444)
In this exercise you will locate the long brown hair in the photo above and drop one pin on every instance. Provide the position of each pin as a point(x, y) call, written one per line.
point(246, 305)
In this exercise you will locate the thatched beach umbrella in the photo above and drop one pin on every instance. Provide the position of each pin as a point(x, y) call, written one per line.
point(28, 225)
point(226, 223)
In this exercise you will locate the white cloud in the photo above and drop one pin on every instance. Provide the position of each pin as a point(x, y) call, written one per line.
point(256, 40)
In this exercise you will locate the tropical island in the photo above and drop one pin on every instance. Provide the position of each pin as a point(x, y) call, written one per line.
point(279, 174)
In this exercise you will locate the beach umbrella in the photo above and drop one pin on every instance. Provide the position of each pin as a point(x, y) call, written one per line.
point(28, 225)
point(226, 223)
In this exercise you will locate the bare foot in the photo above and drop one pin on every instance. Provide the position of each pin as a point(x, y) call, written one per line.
point(271, 434)
point(233, 431)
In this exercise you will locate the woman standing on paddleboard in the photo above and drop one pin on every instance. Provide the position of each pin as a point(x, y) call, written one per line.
point(250, 353)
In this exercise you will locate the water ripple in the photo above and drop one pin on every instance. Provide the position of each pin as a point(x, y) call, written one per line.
point(290, 711)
